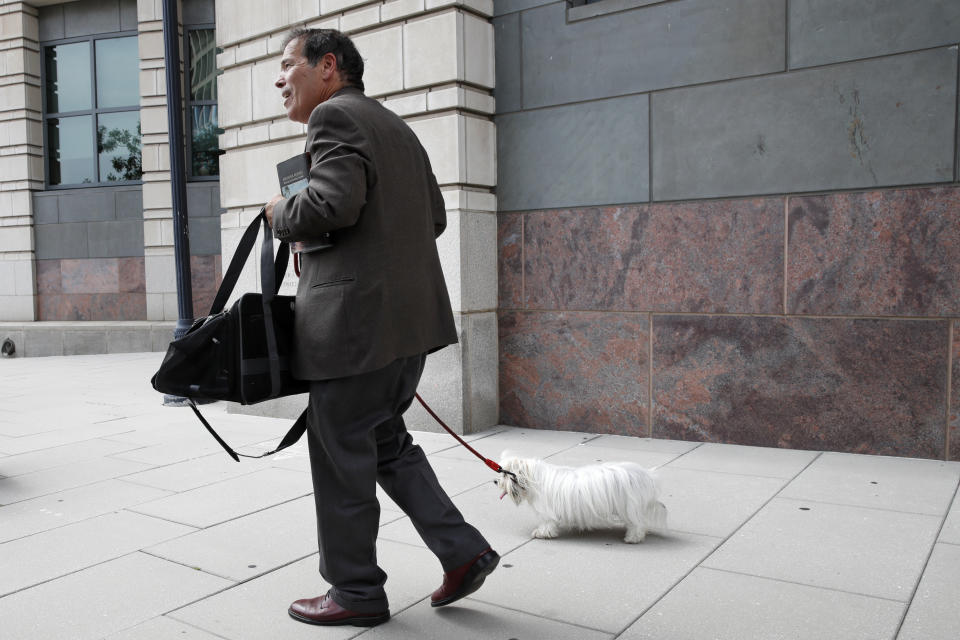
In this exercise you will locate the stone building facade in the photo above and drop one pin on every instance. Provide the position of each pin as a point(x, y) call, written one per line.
point(718, 220)
point(731, 220)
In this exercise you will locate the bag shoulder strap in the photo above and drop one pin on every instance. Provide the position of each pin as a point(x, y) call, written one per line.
point(291, 437)
point(244, 247)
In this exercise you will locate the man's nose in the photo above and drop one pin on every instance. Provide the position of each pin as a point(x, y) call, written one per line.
point(279, 82)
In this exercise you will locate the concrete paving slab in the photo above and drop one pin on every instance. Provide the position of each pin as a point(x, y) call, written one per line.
point(196, 445)
point(729, 606)
point(40, 483)
point(504, 525)
point(586, 454)
point(191, 474)
point(16, 465)
point(249, 546)
point(474, 620)
point(643, 444)
point(951, 527)
point(864, 551)
point(457, 476)
point(104, 599)
point(162, 628)
point(713, 504)
point(523, 442)
point(257, 609)
point(899, 484)
point(555, 578)
point(934, 613)
point(216, 503)
point(45, 556)
point(65, 507)
point(747, 461)
point(71, 433)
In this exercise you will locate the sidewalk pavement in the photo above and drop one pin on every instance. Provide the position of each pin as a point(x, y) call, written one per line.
point(123, 519)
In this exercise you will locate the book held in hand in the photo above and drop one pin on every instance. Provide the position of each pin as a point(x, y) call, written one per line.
point(294, 174)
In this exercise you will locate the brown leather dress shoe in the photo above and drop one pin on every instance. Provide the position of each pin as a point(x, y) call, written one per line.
point(466, 579)
point(325, 612)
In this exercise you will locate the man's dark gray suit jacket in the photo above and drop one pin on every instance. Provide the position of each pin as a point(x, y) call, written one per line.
point(378, 294)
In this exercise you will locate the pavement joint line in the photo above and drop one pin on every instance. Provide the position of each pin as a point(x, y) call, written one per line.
point(904, 603)
point(183, 622)
point(725, 473)
point(926, 562)
point(215, 524)
point(723, 541)
point(96, 515)
point(192, 567)
point(128, 479)
point(236, 583)
point(540, 617)
point(55, 491)
point(861, 506)
point(70, 573)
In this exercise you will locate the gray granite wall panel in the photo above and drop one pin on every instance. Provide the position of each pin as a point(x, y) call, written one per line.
point(129, 203)
point(655, 47)
point(205, 236)
point(128, 15)
point(91, 17)
point(883, 122)
point(197, 11)
point(45, 209)
point(574, 155)
point(61, 241)
point(116, 239)
point(50, 20)
point(826, 31)
point(509, 71)
point(88, 205)
point(200, 196)
point(502, 7)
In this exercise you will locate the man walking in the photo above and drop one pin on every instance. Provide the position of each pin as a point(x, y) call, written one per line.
point(369, 309)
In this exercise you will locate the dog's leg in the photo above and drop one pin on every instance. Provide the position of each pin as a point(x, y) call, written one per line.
point(546, 530)
point(635, 533)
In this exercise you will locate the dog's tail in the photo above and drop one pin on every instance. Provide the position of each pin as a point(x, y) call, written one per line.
point(657, 515)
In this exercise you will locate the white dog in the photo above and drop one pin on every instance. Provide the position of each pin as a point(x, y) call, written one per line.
point(600, 496)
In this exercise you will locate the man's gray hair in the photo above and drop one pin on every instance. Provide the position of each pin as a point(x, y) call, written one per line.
point(316, 43)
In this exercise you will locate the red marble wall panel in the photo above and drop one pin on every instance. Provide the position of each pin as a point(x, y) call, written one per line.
point(48, 277)
point(510, 260)
point(953, 411)
point(715, 256)
point(577, 371)
point(132, 275)
point(91, 289)
point(205, 280)
point(90, 275)
point(864, 386)
point(894, 252)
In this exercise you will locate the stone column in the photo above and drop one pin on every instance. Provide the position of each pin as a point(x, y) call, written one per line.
point(21, 157)
point(432, 62)
point(161, 280)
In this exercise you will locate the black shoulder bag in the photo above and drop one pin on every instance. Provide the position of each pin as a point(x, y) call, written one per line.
point(241, 354)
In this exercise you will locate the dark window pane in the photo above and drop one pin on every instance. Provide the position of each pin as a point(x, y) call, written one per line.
point(118, 75)
point(70, 142)
point(68, 77)
point(203, 65)
point(118, 146)
point(205, 145)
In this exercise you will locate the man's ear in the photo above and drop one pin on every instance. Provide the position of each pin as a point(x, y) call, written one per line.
point(328, 66)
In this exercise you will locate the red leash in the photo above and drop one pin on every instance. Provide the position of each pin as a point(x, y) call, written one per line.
point(487, 461)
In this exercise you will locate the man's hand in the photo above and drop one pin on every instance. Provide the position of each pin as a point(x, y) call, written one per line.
point(269, 208)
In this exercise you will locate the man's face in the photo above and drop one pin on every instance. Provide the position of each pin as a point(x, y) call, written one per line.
point(303, 87)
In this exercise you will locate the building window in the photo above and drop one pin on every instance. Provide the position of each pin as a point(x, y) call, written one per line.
point(203, 147)
point(91, 111)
